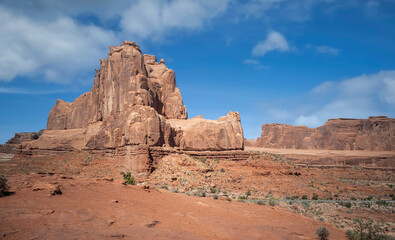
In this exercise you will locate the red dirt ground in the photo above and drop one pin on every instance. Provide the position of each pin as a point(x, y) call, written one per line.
point(100, 209)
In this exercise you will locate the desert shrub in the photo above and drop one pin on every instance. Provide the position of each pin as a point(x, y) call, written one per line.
point(165, 187)
point(248, 193)
point(215, 197)
point(3, 185)
point(322, 233)
point(203, 160)
point(367, 230)
point(304, 197)
point(128, 178)
point(381, 202)
point(222, 170)
point(369, 198)
point(273, 202)
point(347, 204)
point(242, 198)
point(353, 199)
point(260, 202)
point(315, 196)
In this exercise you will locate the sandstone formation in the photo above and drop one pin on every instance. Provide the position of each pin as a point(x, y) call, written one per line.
point(374, 133)
point(134, 101)
point(19, 138)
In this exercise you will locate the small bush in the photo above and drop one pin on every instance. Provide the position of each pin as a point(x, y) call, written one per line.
point(260, 202)
point(128, 178)
point(370, 198)
point(215, 197)
point(347, 204)
point(3, 185)
point(165, 187)
point(203, 160)
point(248, 193)
point(315, 196)
point(273, 202)
point(322, 233)
point(304, 197)
point(353, 199)
point(222, 170)
point(381, 202)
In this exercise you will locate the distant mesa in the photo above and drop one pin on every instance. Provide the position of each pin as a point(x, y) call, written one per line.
point(374, 133)
point(134, 101)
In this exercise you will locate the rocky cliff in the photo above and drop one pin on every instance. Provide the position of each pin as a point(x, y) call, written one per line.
point(374, 133)
point(134, 101)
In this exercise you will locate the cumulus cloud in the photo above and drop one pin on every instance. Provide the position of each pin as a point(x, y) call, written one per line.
point(251, 61)
point(45, 39)
point(153, 19)
point(274, 42)
point(327, 50)
point(292, 10)
point(358, 97)
point(55, 50)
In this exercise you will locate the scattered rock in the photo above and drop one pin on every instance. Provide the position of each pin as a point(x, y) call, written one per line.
point(52, 189)
point(153, 224)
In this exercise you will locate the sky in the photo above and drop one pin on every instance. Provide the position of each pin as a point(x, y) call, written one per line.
point(298, 62)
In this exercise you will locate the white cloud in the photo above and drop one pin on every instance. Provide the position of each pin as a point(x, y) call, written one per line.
point(307, 121)
point(274, 42)
point(57, 50)
point(24, 91)
point(154, 19)
point(44, 39)
point(327, 50)
point(251, 61)
point(358, 97)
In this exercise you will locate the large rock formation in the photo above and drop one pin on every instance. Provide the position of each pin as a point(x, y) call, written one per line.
point(134, 101)
point(19, 138)
point(374, 133)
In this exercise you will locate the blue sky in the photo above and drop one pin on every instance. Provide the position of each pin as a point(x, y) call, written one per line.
point(288, 61)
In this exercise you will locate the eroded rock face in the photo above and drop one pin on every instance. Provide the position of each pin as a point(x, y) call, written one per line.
point(19, 138)
point(374, 133)
point(198, 133)
point(135, 101)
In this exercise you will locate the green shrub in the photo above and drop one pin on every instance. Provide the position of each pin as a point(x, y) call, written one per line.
point(165, 187)
point(353, 199)
point(215, 197)
point(370, 198)
point(315, 196)
point(3, 185)
point(128, 178)
point(260, 202)
point(322, 233)
point(248, 193)
point(347, 204)
point(366, 230)
point(222, 170)
point(304, 197)
point(273, 202)
point(203, 160)
point(381, 202)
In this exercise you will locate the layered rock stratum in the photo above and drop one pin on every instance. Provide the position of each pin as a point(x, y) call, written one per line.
point(374, 133)
point(134, 101)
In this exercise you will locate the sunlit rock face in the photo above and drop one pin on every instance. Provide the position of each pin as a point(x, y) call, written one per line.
point(135, 101)
point(374, 133)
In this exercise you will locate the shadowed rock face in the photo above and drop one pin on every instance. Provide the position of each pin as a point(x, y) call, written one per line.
point(374, 133)
point(135, 101)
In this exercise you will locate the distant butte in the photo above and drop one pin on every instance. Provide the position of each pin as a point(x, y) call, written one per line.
point(374, 133)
